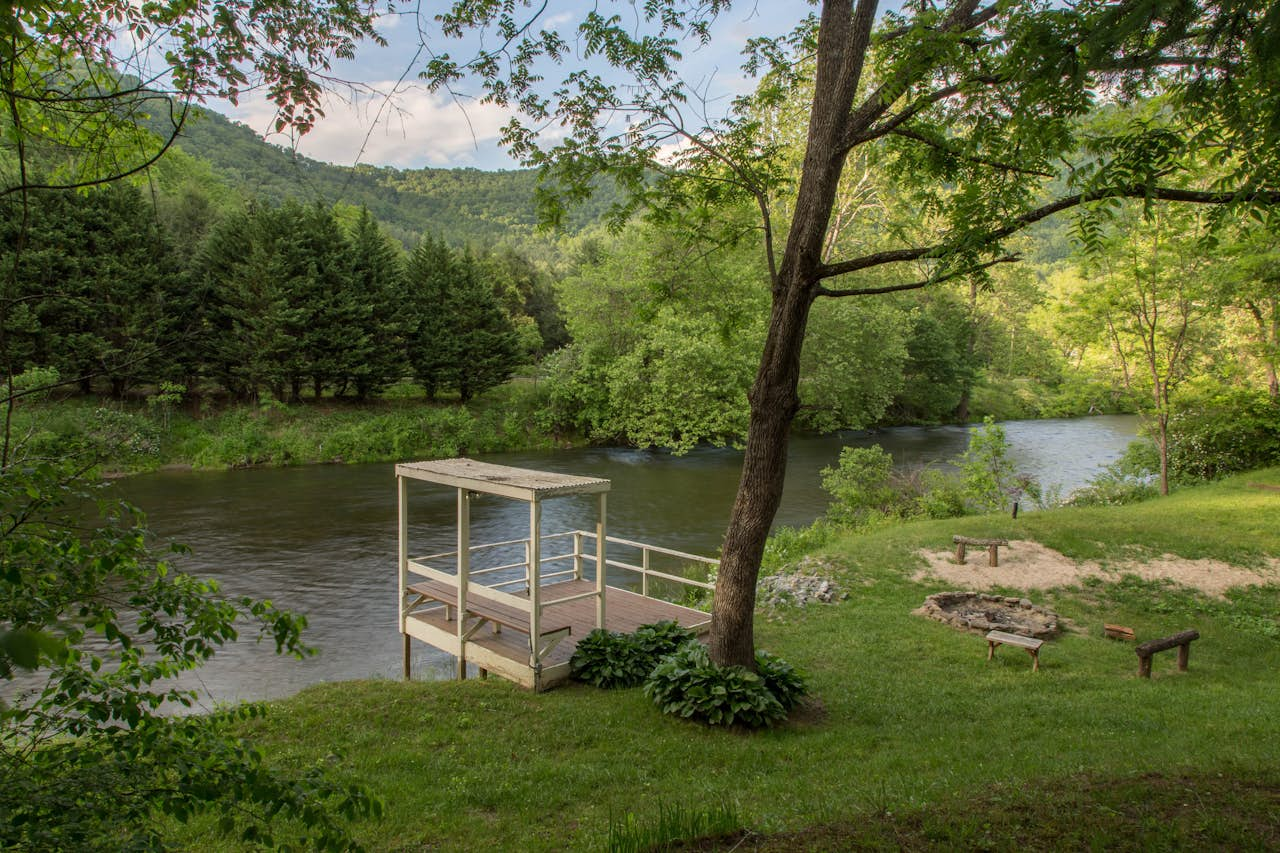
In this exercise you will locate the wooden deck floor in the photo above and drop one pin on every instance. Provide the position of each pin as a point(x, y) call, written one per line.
point(507, 653)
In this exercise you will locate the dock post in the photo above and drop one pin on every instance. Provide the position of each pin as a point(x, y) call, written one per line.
point(577, 555)
point(600, 560)
point(535, 585)
point(402, 498)
point(464, 576)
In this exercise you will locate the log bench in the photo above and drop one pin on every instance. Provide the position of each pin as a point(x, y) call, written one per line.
point(1148, 649)
point(488, 610)
point(1031, 644)
point(992, 546)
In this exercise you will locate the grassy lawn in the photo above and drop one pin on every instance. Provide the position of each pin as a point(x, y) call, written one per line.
point(914, 740)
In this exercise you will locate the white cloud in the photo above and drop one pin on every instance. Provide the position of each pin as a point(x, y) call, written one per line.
point(416, 128)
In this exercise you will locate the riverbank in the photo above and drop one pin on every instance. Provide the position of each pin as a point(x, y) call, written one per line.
point(137, 436)
point(132, 438)
point(913, 738)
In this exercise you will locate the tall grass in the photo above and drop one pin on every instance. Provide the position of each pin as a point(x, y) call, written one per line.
point(672, 826)
point(133, 437)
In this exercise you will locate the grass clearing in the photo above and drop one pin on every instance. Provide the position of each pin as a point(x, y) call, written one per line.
point(910, 719)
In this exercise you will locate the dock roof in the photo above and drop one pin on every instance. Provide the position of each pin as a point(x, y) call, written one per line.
point(486, 478)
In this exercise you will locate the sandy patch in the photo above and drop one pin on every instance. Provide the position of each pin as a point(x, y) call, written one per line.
point(1029, 565)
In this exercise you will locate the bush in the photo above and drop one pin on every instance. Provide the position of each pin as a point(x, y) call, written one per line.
point(609, 659)
point(864, 489)
point(1126, 481)
point(784, 681)
point(941, 494)
point(661, 639)
point(687, 684)
point(1213, 435)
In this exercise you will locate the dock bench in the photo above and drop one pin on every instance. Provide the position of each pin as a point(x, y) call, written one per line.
point(488, 610)
point(1031, 644)
point(992, 546)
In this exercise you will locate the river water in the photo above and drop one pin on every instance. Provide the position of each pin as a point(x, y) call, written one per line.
point(321, 540)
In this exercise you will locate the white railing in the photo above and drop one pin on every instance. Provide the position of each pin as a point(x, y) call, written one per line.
point(577, 555)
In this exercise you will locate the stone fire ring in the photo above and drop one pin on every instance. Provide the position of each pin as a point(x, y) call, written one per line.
point(980, 612)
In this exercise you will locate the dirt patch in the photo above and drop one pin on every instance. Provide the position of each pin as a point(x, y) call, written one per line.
point(1029, 565)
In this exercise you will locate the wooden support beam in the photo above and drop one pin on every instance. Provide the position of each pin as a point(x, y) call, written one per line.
point(535, 581)
point(601, 564)
point(464, 576)
point(402, 505)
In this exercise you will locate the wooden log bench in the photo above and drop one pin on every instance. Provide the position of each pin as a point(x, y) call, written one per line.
point(992, 546)
point(1182, 640)
point(486, 610)
point(1031, 644)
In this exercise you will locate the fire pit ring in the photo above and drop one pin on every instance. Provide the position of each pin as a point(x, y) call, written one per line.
point(980, 612)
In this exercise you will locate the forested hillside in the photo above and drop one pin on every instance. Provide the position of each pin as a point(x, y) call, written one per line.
point(460, 205)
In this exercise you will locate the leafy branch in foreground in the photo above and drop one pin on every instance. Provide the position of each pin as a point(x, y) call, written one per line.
point(93, 630)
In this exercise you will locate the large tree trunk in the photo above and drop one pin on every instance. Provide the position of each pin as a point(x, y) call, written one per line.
point(774, 401)
point(842, 39)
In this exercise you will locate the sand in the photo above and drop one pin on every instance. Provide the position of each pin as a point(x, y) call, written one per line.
point(1030, 565)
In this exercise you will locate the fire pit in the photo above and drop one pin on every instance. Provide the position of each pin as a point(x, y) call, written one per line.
point(980, 612)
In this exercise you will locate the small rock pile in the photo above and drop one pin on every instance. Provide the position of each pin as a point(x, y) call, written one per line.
point(796, 590)
point(981, 612)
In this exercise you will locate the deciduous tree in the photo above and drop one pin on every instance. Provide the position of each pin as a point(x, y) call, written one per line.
point(972, 108)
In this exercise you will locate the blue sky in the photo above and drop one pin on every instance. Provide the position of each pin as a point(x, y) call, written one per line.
point(418, 128)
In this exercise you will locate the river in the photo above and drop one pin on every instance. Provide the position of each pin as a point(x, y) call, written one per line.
point(321, 540)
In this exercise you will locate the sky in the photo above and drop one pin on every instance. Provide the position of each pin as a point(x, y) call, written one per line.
point(417, 128)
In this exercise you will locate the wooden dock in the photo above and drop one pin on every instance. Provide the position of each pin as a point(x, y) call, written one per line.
point(505, 652)
point(528, 634)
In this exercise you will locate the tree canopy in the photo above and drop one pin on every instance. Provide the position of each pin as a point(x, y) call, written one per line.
point(977, 112)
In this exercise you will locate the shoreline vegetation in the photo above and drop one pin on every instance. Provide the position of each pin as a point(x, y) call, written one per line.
point(939, 750)
point(150, 433)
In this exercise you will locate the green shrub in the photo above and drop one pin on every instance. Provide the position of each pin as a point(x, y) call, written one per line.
point(859, 486)
point(610, 659)
point(785, 682)
point(1212, 435)
point(1126, 481)
point(660, 639)
point(941, 494)
point(687, 684)
point(786, 545)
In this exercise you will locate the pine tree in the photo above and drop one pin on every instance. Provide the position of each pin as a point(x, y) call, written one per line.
point(377, 281)
point(432, 335)
point(488, 348)
point(246, 342)
point(90, 296)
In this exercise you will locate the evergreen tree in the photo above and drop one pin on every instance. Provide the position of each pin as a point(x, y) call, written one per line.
point(91, 294)
point(246, 341)
point(333, 323)
point(488, 349)
point(431, 335)
point(377, 280)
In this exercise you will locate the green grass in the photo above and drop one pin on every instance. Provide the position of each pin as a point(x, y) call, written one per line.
point(914, 739)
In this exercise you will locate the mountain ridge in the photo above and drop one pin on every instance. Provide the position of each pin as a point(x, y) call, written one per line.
point(465, 206)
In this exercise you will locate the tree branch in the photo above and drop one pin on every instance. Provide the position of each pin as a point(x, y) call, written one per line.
point(939, 250)
point(917, 285)
point(972, 158)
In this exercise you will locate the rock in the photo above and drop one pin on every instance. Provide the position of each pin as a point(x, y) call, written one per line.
point(981, 612)
point(796, 589)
